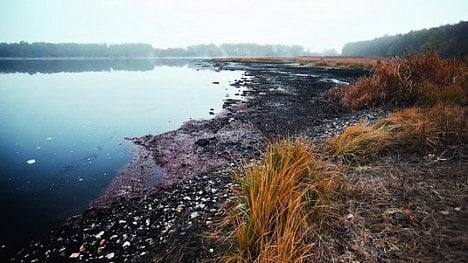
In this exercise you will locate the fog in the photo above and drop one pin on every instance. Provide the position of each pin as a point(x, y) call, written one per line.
point(316, 25)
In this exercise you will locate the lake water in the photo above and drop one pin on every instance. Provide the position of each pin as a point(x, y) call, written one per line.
point(63, 125)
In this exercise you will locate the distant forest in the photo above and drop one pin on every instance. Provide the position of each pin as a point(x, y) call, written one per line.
point(73, 50)
point(448, 41)
point(232, 50)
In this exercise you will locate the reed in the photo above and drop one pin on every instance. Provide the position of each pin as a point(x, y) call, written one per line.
point(283, 201)
point(421, 80)
point(418, 128)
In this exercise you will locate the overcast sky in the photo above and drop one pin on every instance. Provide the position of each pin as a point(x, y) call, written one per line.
point(315, 24)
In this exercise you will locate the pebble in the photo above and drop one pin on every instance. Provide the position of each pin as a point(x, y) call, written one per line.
point(126, 244)
point(102, 243)
point(110, 255)
point(99, 236)
point(75, 255)
point(194, 215)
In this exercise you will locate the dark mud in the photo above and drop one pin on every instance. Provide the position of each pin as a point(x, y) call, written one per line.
point(164, 204)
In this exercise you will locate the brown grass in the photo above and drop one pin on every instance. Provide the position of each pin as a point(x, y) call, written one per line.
point(423, 80)
point(327, 62)
point(414, 127)
point(284, 201)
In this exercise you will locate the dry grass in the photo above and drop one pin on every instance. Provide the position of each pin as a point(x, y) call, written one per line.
point(358, 142)
point(284, 201)
point(413, 127)
point(327, 62)
point(423, 80)
point(341, 62)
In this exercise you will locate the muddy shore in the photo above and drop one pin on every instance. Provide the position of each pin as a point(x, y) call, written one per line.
point(165, 204)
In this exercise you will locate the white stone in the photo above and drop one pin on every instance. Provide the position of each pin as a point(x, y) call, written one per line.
point(126, 244)
point(99, 236)
point(110, 255)
point(194, 215)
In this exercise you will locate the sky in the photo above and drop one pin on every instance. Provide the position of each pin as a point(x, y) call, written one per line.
point(316, 25)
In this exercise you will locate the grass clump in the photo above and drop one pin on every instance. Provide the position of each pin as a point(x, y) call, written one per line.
point(433, 128)
point(424, 80)
point(359, 142)
point(284, 200)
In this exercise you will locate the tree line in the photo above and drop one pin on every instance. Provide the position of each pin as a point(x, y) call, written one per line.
point(74, 50)
point(234, 50)
point(447, 41)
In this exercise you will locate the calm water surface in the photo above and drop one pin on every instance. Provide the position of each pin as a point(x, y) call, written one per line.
point(61, 133)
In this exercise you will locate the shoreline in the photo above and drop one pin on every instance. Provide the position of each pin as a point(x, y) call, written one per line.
point(139, 177)
point(199, 159)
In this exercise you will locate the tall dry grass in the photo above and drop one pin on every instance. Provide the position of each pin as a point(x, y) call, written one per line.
point(351, 62)
point(423, 80)
point(284, 200)
point(417, 128)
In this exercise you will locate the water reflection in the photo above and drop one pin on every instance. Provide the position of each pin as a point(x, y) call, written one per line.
point(73, 124)
point(33, 66)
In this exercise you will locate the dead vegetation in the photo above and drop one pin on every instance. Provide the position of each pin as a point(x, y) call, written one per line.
point(325, 62)
point(414, 128)
point(423, 80)
point(406, 211)
point(285, 202)
point(292, 207)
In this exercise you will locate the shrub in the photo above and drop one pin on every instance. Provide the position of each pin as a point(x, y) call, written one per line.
point(423, 80)
point(418, 128)
point(283, 201)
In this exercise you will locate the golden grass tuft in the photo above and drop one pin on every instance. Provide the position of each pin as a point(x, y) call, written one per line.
point(423, 80)
point(413, 127)
point(284, 200)
point(358, 142)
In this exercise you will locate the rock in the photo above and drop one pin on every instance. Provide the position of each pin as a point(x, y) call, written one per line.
point(82, 248)
point(180, 208)
point(99, 236)
point(102, 243)
point(75, 255)
point(202, 142)
point(215, 82)
point(126, 244)
point(349, 216)
point(110, 255)
point(445, 213)
point(194, 215)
